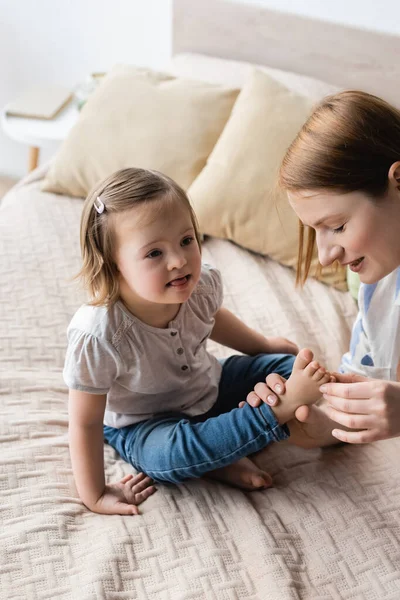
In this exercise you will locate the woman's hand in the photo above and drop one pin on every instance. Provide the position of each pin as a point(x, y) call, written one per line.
point(263, 391)
point(123, 497)
point(371, 405)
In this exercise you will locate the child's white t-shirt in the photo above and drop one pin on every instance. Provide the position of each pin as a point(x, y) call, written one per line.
point(375, 340)
point(144, 370)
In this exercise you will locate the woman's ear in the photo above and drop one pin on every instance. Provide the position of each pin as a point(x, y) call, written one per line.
point(394, 174)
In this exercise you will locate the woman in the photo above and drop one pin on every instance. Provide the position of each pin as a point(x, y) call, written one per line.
point(342, 176)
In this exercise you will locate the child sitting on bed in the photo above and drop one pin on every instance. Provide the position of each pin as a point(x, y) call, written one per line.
point(137, 358)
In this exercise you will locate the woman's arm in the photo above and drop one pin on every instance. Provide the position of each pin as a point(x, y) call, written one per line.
point(232, 332)
point(86, 413)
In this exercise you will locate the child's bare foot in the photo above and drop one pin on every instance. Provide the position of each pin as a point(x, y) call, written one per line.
point(243, 474)
point(302, 387)
point(312, 428)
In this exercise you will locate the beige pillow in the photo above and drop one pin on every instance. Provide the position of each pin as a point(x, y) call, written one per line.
point(235, 196)
point(144, 119)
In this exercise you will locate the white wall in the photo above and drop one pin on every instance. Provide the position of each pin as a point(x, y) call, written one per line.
point(63, 40)
point(46, 41)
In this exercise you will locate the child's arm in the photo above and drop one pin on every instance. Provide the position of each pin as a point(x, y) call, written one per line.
point(232, 332)
point(86, 412)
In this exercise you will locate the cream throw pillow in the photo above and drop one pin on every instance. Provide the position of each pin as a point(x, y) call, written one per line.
point(144, 119)
point(235, 196)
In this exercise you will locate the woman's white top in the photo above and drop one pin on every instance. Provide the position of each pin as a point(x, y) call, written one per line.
point(375, 341)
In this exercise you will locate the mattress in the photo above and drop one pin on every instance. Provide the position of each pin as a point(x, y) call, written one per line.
point(328, 529)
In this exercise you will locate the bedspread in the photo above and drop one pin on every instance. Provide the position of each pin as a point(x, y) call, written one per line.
point(329, 529)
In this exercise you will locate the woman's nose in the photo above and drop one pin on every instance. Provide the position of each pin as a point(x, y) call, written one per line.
point(328, 253)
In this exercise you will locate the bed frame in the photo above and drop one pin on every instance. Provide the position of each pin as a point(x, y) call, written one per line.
point(341, 55)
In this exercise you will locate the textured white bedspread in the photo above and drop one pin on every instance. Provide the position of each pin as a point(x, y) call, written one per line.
point(329, 529)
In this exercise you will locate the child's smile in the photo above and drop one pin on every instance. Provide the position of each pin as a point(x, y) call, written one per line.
point(180, 283)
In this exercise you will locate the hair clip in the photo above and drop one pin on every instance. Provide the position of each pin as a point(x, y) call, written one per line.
point(99, 205)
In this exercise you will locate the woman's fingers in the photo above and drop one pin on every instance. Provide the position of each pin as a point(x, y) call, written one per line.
point(263, 392)
point(253, 399)
point(364, 389)
point(349, 377)
point(276, 383)
point(356, 437)
point(357, 407)
point(352, 421)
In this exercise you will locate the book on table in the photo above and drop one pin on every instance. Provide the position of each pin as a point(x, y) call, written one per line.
point(40, 102)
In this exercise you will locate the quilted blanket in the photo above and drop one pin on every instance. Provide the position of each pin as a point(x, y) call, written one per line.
point(329, 529)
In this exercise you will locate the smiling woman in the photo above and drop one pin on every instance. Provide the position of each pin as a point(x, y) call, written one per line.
point(346, 158)
point(354, 228)
point(342, 175)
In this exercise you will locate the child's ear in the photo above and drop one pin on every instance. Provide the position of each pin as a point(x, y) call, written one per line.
point(394, 174)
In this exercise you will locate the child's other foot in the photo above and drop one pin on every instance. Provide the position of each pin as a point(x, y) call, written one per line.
point(312, 428)
point(243, 474)
point(302, 387)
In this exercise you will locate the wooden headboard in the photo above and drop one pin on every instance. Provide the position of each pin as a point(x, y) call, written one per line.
point(345, 56)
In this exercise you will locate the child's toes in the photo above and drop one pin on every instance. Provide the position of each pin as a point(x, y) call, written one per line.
point(327, 378)
point(319, 375)
point(311, 369)
point(303, 359)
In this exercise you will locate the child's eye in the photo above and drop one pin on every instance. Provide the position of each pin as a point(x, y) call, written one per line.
point(339, 229)
point(154, 254)
point(187, 240)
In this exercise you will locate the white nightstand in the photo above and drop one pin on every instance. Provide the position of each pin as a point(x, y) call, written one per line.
point(39, 133)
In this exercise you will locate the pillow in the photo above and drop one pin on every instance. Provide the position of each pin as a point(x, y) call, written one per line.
point(141, 118)
point(235, 73)
point(235, 196)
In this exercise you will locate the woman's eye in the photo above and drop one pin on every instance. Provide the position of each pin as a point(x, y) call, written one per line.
point(339, 229)
point(154, 254)
point(187, 240)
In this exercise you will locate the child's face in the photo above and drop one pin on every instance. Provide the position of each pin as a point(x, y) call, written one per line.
point(157, 253)
point(353, 229)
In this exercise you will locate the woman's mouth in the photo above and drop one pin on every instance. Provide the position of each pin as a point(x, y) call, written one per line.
point(356, 265)
point(179, 282)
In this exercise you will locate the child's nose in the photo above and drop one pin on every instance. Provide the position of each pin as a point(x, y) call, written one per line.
point(177, 261)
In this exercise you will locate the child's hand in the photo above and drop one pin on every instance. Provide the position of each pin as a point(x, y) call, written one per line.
point(122, 498)
point(279, 345)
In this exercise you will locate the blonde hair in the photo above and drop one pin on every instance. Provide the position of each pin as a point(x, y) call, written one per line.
point(119, 192)
point(347, 144)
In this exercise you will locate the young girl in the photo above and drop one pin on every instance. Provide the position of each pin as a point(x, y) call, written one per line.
point(137, 357)
point(342, 175)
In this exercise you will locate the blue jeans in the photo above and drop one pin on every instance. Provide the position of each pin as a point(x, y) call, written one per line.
point(174, 447)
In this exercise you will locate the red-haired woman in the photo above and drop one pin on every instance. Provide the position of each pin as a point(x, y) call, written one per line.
point(342, 176)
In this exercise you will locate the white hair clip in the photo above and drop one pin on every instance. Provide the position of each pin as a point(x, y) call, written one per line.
point(99, 205)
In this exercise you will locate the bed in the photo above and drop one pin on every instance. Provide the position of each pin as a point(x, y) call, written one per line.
point(330, 527)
